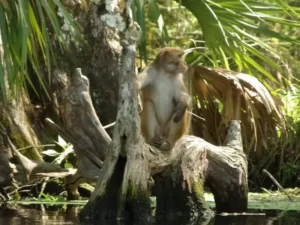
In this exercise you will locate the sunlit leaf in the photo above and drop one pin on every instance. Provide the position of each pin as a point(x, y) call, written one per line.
point(68, 165)
point(61, 142)
point(51, 152)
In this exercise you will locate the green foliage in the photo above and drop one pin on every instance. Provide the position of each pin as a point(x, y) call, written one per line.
point(27, 29)
point(139, 9)
point(290, 154)
point(232, 34)
point(51, 198)
point(283, 156)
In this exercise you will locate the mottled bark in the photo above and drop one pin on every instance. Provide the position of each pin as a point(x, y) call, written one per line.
point(179, 180)
point(14, 115)
point(78, 113)
point(99, 56)
point(180, 175)
point(17, 124)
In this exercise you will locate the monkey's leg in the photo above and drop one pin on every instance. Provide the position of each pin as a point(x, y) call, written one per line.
point(176, 130)
point(149, 122)
point(160, 137)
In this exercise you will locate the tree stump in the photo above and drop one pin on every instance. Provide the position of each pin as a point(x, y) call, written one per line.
point(180, 175)
point(123, 189)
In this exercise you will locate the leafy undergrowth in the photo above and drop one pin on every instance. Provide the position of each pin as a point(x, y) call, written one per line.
point(272, 196)
point(268, 200)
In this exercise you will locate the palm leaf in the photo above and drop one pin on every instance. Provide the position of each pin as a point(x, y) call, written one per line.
point(231, 30)
point(139, 15)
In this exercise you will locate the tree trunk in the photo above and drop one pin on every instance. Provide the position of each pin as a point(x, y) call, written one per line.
point(83, 130)
point(100, 56)
point(192, 163)
point(123, 188)
point(14, 115)
point(227, 173)
point(14, 124)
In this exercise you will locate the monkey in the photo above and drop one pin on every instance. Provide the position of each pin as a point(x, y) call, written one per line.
point(164, 99)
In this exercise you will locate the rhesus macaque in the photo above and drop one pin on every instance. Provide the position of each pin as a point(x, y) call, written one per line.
point(164, 99)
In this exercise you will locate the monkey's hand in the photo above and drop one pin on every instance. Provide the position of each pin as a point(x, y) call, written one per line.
point(178, 116)
point(181, 106)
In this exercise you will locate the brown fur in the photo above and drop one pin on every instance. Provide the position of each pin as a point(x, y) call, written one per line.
point(165, 100)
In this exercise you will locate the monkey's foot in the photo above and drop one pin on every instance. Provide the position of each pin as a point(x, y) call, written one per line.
point(160, 143)
point(166, 146)
point(157, 141)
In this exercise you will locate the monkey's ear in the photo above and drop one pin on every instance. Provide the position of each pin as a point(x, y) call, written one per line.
point(162, 55)
point(162, 52)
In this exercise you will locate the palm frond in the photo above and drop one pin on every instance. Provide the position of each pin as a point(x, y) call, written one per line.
point(234, 30)
point(223, 95)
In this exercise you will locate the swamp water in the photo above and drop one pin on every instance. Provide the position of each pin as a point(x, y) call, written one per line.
point(283, 213)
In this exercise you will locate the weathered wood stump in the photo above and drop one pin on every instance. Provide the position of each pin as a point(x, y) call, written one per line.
point(82, 127)
point(180, 175)
point(228, 171)
point(123, 189)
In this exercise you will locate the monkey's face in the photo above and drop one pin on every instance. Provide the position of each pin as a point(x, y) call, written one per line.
point(175, 65)
point(171, 60)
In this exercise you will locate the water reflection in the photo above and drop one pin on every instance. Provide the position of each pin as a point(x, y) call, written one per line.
point(63, 215)
point(39, 215)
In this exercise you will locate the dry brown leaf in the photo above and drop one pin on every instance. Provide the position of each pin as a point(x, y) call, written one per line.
point(243, 97)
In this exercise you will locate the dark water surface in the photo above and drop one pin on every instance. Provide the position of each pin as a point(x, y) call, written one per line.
point(68, 214)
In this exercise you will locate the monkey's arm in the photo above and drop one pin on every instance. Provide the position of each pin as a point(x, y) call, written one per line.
point(144, 79)
point(183, 101)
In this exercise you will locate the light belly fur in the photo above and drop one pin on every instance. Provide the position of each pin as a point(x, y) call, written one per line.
point(162, 98)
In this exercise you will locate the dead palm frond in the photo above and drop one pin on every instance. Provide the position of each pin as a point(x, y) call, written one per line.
point(222, 95)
